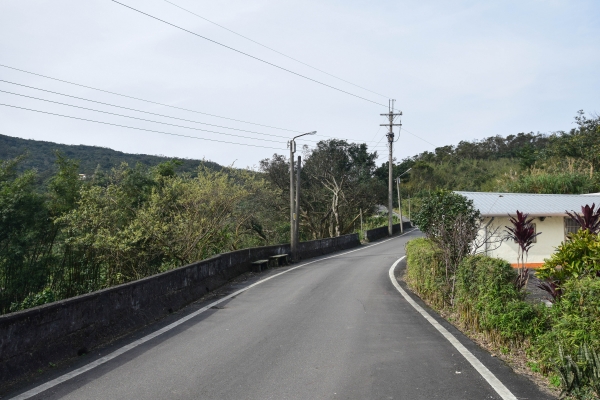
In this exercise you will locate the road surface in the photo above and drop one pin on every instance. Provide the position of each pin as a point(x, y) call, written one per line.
point(329, 328)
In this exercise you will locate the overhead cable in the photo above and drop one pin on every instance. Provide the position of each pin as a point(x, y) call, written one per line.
point(146, 101)
point(139, 129)
point(141, 111)
point(139, 119)
point(156, 114)
point(248, 55)
point(273, 50)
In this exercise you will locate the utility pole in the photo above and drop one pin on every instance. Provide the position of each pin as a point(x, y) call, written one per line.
point(297, 211)
point(362, 232)
point(292, 145)
point(399, 204)
point(400, 199)
point(294, 208)
point(390, 136)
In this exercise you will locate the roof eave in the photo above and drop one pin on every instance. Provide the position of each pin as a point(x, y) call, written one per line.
point(529, 214)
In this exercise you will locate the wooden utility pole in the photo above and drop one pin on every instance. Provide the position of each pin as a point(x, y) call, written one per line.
point(390, 136)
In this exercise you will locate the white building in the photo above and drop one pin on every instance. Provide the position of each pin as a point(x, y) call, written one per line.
point(550, 218)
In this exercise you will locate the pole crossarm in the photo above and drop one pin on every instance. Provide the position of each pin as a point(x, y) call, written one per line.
point(390, 135)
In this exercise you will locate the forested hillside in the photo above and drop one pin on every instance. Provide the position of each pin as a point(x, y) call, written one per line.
point(559, 162)
point(138, 215)
point(66, 236)
point(40, 156)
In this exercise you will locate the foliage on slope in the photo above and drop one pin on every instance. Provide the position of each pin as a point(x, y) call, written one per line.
point(560, 162)
point(79, 236)
point(40, 155)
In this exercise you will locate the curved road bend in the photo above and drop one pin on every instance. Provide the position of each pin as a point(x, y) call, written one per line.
point(336, 328)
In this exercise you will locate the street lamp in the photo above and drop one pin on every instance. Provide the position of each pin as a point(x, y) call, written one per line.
point(399, 199)
point(294, 209)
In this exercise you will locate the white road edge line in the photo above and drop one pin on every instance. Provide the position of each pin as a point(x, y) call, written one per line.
point(479, 367)
point(63, 378)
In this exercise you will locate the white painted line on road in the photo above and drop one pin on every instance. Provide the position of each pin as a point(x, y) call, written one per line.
point(63, 378)
point(479, 367)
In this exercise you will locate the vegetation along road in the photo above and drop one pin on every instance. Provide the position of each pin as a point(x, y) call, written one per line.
point(327, 328)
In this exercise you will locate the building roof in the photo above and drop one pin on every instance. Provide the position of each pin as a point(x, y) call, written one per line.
point(492, 204)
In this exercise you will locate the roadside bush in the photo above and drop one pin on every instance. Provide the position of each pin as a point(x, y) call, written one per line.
point(487, 301)
point(574, 319)
point(580, 373)
point(576, 257)
point(451, 222)
point(425, 271)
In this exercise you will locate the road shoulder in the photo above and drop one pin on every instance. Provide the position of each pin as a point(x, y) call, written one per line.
point(518, 384)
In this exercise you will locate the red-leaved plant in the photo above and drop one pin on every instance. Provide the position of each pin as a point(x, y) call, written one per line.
point(552, 287)
point(522, 232)
point(589, 218)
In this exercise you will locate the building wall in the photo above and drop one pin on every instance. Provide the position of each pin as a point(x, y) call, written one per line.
point(552, 235)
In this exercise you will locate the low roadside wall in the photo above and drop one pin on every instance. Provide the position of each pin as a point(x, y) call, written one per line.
point(54, 332)
point(378, 233)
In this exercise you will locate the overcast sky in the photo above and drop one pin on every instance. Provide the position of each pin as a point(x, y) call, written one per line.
point(459, 70)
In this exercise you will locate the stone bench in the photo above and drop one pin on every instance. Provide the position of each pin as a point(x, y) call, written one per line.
point(260, 265)
point(279, 260)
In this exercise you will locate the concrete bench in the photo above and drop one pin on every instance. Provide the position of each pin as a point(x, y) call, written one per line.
point(260, 265)
point(279, 260)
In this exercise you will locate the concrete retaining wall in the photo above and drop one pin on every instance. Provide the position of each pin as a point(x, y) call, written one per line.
point(33, 338)
point(378, 233)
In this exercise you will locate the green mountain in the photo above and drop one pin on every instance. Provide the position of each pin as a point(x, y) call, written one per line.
point(40, 156)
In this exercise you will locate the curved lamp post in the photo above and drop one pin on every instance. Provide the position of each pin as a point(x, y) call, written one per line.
point(294, 208)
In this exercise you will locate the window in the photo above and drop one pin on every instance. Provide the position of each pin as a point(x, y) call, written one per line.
point(571, 226)
point(534, 232)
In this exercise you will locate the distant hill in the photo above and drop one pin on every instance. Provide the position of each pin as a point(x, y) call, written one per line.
point(41, 156)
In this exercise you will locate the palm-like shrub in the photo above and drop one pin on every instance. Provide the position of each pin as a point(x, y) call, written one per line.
point(523, 233)
point(589, 219)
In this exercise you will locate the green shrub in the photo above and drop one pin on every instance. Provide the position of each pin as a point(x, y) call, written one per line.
point(574, 319)
point(551, 182)
point(578, 256)
point(487, 301)
point(425, 271)
point(451, 222)
point(34, 300)
point(579, 373)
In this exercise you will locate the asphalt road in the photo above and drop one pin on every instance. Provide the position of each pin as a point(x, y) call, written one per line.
point(336, 328)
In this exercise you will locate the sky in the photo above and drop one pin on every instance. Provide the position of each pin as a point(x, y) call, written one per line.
point(458, 70)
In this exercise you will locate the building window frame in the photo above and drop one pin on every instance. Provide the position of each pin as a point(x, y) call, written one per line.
point(571, 226)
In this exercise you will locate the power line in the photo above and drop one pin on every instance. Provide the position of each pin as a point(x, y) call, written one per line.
point(420, 138)
point(139, 119)
point(273, 50)
point(145, 112)
point(141, 111)
point(144, 100)
point(136, 110)
point(150, 102)
point(246, 54)
point(139, 129)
